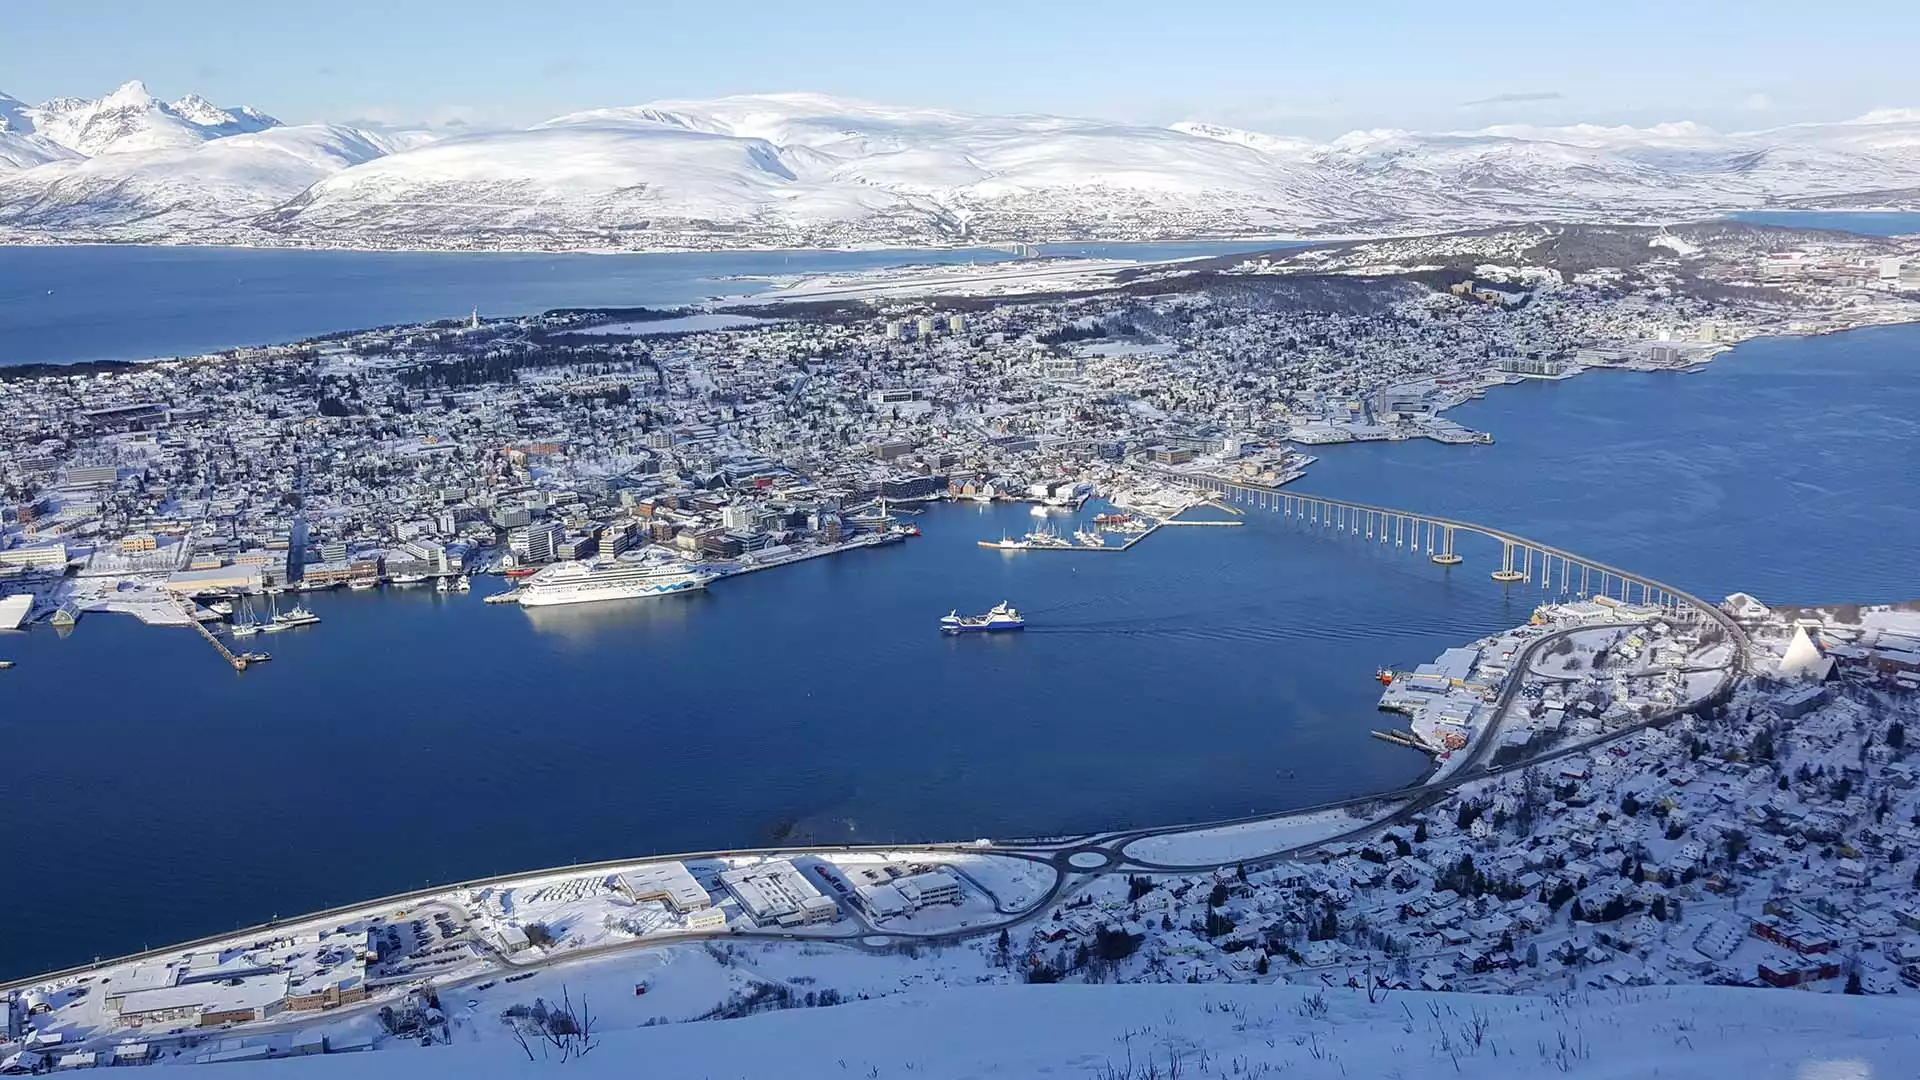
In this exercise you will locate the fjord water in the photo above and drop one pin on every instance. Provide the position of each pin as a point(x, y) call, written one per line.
point(60, 305)
point(412, 737)
point(1864, 222)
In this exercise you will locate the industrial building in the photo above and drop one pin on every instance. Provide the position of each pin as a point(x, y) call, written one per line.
point(237, 578)
point(707, 919)
point(213, 988)
point(884, 895)
point(669, 882)
point(776, 892)
point(206, 1004)
point(932, 887)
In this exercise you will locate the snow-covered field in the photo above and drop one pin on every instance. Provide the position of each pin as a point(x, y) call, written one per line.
point(991, 279)
point(1231, 843)
point(1181, 1030)
point(682, 325)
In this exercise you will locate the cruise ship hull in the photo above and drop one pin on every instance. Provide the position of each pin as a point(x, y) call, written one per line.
point(587, 593)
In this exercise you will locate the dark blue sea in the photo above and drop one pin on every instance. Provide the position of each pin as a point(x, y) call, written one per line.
point(152, 794)
point(59, 305)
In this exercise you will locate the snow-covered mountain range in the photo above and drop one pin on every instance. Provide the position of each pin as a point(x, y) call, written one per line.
point(811, 170)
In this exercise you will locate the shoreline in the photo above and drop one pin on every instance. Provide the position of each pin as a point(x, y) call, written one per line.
point(1438, 776)
point(1702, 214)
point(776, 293)
point(746, 249)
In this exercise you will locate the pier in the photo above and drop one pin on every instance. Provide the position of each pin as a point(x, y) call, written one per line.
point(1406, 739)
point(239, 663)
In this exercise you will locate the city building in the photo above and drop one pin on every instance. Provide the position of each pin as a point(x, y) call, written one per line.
point(48, 556)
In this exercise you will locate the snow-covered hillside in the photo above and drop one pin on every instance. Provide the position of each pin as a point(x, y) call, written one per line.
point(1248, 1031)
point(20, 146)
point(185, 170)
point(813, 170)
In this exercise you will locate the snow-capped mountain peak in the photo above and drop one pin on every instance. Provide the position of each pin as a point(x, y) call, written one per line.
point(131, 94)
point(198, 110)
point(1277, 145)
point(132, 119)
point(13, 115)
point(804, 170)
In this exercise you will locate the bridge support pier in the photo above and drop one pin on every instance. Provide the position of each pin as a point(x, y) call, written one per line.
point(1507, 573)
point(1446, 557)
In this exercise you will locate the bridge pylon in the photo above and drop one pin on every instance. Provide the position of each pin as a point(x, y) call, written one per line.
point(1445, 556)
point(1507, 573)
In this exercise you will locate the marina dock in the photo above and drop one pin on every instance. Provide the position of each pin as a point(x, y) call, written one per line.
point(1132, 538)
point(1023, 545)
point(239, 663)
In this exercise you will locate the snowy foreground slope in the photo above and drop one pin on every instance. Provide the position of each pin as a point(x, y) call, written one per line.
point(1181, 1030)
point(800, 170)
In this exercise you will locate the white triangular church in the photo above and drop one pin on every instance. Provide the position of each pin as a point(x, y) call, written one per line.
point(1803, 659)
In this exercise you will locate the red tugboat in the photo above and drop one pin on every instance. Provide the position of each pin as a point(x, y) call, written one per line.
point(1385, 675)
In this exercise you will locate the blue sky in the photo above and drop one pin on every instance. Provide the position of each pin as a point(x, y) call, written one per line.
point(1314, 69)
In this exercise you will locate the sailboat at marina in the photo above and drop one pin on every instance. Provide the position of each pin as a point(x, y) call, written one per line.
point(245, 622)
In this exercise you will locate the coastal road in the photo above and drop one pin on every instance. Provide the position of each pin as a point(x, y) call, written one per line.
point(1074, 860)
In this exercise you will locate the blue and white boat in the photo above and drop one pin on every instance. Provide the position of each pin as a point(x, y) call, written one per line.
point(1002, 617)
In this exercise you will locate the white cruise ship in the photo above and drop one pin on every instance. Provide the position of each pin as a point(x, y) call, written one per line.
point(606, 579)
